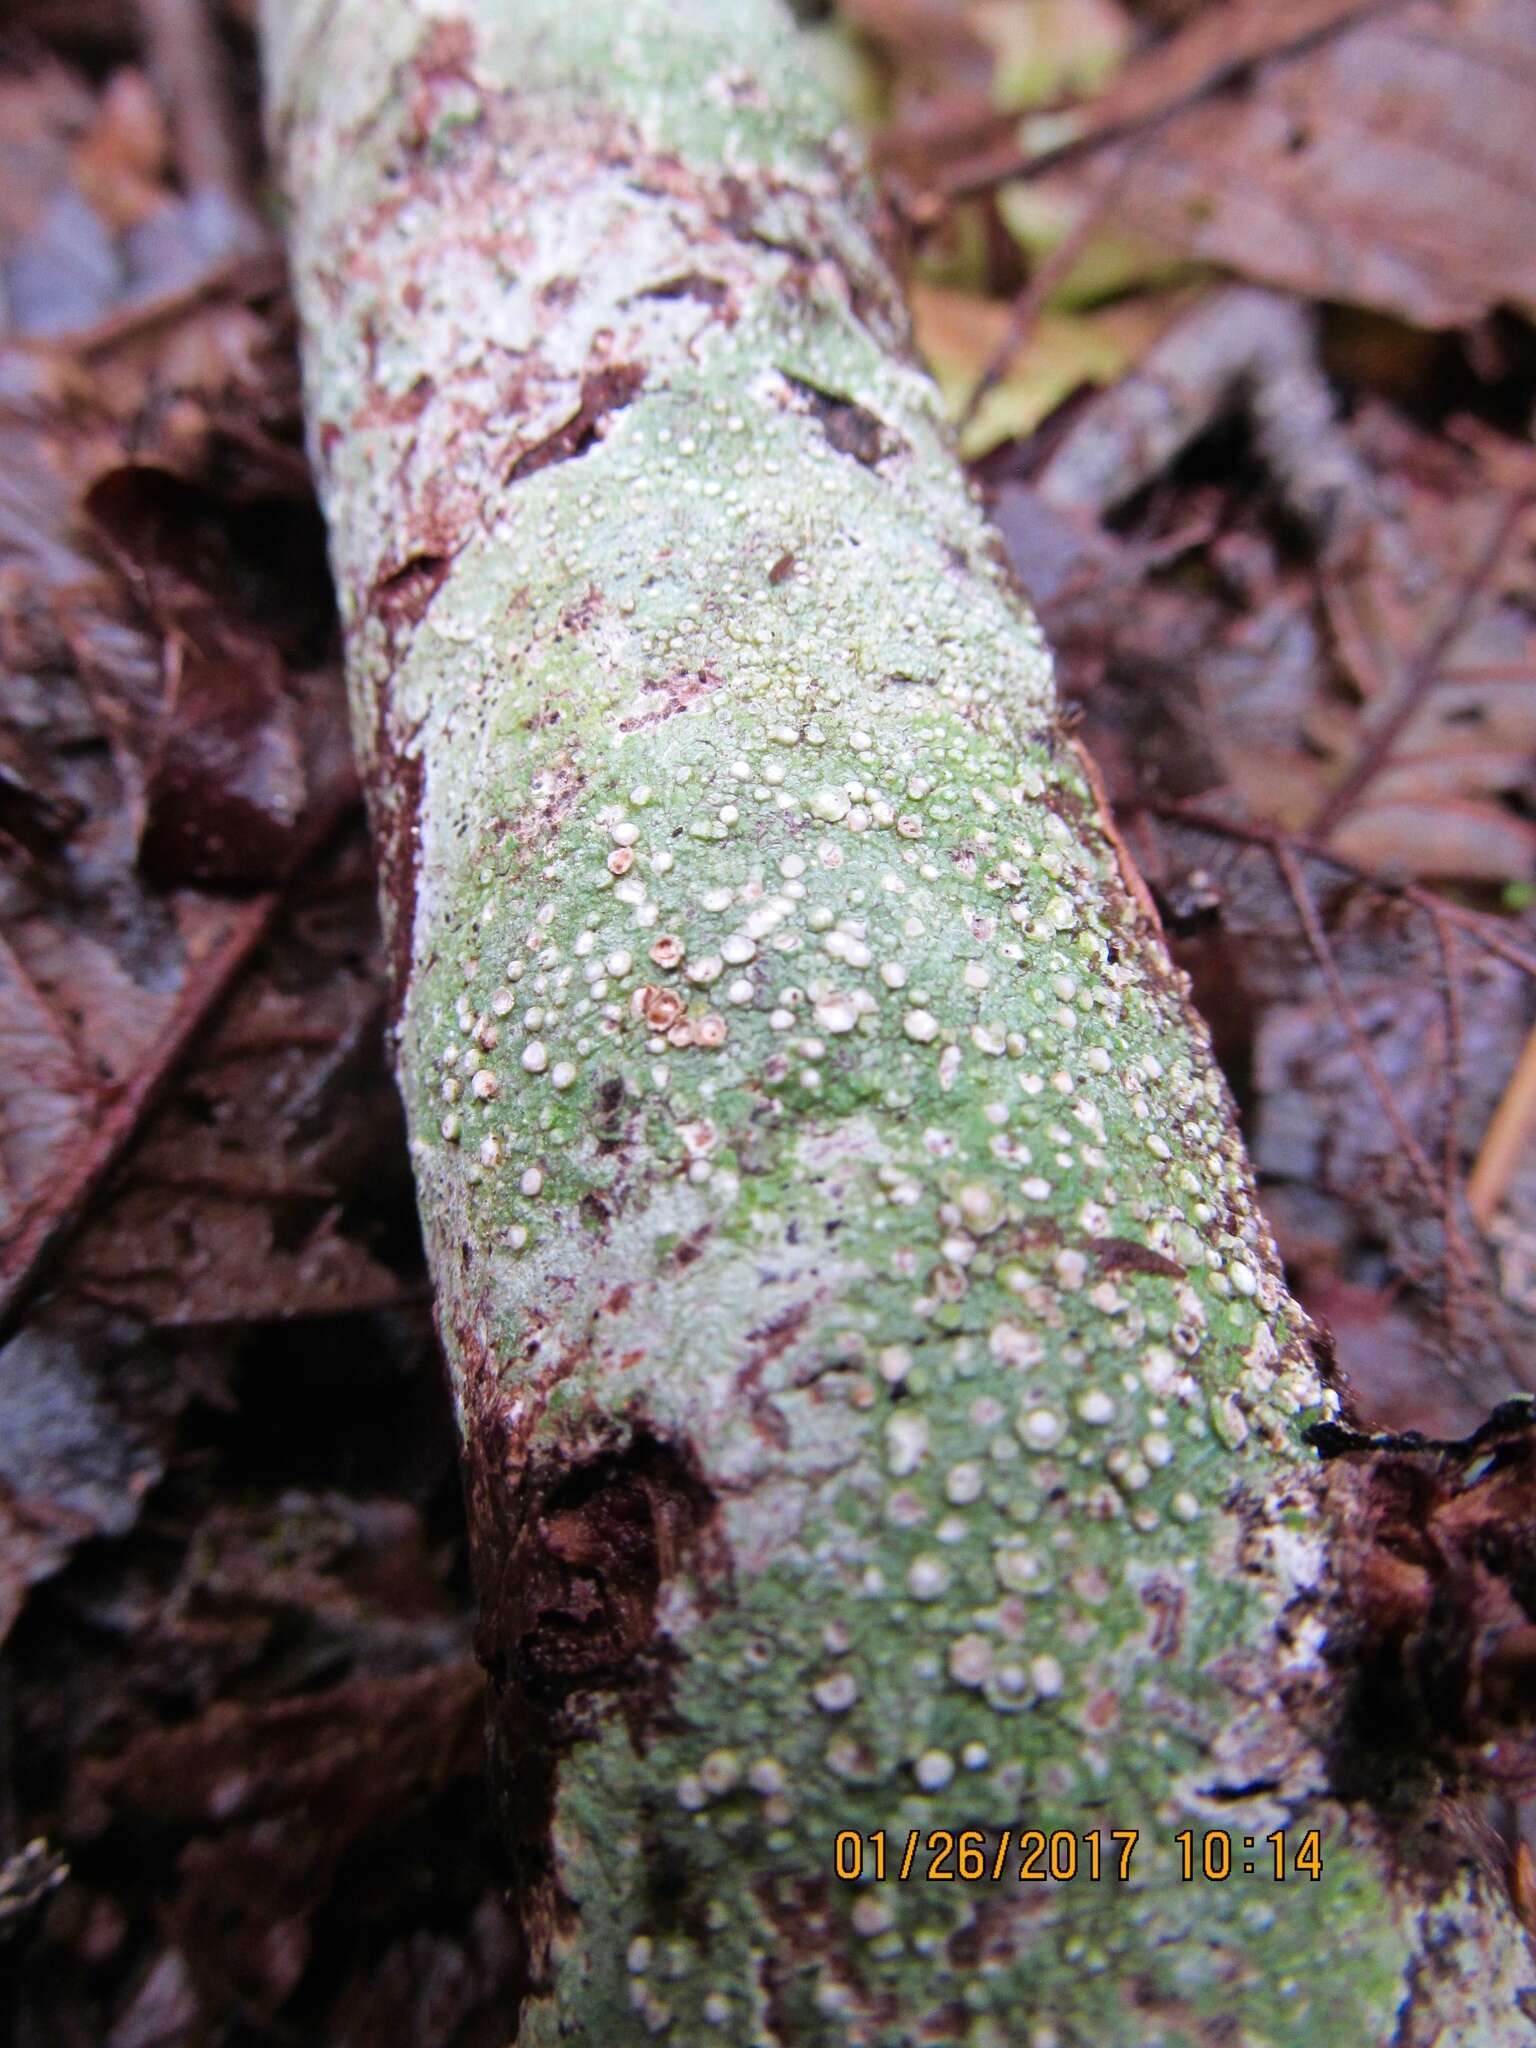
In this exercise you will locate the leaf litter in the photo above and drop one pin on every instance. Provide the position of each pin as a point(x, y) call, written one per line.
point(241, 1723)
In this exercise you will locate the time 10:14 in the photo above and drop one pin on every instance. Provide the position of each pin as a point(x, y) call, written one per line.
point(1217, 1855)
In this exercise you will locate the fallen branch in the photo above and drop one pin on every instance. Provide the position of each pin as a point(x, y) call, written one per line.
point(885, 1424)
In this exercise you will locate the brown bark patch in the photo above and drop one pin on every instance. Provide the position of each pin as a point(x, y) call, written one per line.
point(809, 1932)
point(401, 596)
point(603, 391)
point(852, 429)
point(597, 1540)
point(677, 691)
point(770, 1341)
point(578, 616)
point(572, 1547)
point(1125, 1255)
point(395, 409)
point(555, 793)
point(447, 51)
point(713, 292)
point(442, 62)
point(1164, 1601)
point(394, 805)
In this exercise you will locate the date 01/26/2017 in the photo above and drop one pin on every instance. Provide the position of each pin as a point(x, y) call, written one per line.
point(1031, 1855)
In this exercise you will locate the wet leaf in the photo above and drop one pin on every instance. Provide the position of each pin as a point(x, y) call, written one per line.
point(76, 1461)
point(226, 789)
point(958, 334)
point(1114, 261)
point(1448, 840)
point(1386, 165)
point(1052, 49)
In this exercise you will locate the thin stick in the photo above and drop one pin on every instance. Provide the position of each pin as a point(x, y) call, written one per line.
point(1043, 282)
point(1425, 670)
point(1456, 1258)
point(187, 65)
point(1107, 127)
point(1477, 924)
point(249, 276)
point(1508, 1132)
point(1364, 1051)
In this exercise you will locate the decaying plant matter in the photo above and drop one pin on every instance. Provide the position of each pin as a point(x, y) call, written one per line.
point(881, 1406)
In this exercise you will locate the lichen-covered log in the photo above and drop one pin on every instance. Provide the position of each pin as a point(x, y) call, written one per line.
point(881, 1407)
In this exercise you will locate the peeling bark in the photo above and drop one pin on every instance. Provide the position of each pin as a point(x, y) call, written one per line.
point(881, 1404)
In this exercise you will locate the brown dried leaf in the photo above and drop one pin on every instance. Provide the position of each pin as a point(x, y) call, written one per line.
point(272, 1184)
point(1442, 841)
point(76, 1460)
point(279, 1795)
point(35, 1118)
point(1277, 783)
point(227, 787)
point(222, 1057)
point(175, 683)
point(1388, 165)
point(1457, 767)
point(355, 1747)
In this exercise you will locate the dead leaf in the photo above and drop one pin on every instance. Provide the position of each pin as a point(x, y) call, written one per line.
point(265, 1631)
point(278, 1796)
point(75, 1460)
point(271, 1183)
point(227, 788)
point(959, 332)
point(1388, 165)
point(1220, 44)
point(1051, 49)
point(1444, 840)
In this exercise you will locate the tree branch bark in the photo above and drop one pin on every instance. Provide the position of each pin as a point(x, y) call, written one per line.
point(881, 1405)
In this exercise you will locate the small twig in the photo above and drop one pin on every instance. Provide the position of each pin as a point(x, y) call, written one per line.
point(1456, 1259)
point(1241, 348)
point(29, 1253)
point(1491, 672)
point(1504, 1140)
point(1478, 925)
point(1446, 919)
point(251, 274)
point(188, 67)
point(1041, 286)
point(1118, 116)
point(1424, 671)
point(1322, 952)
